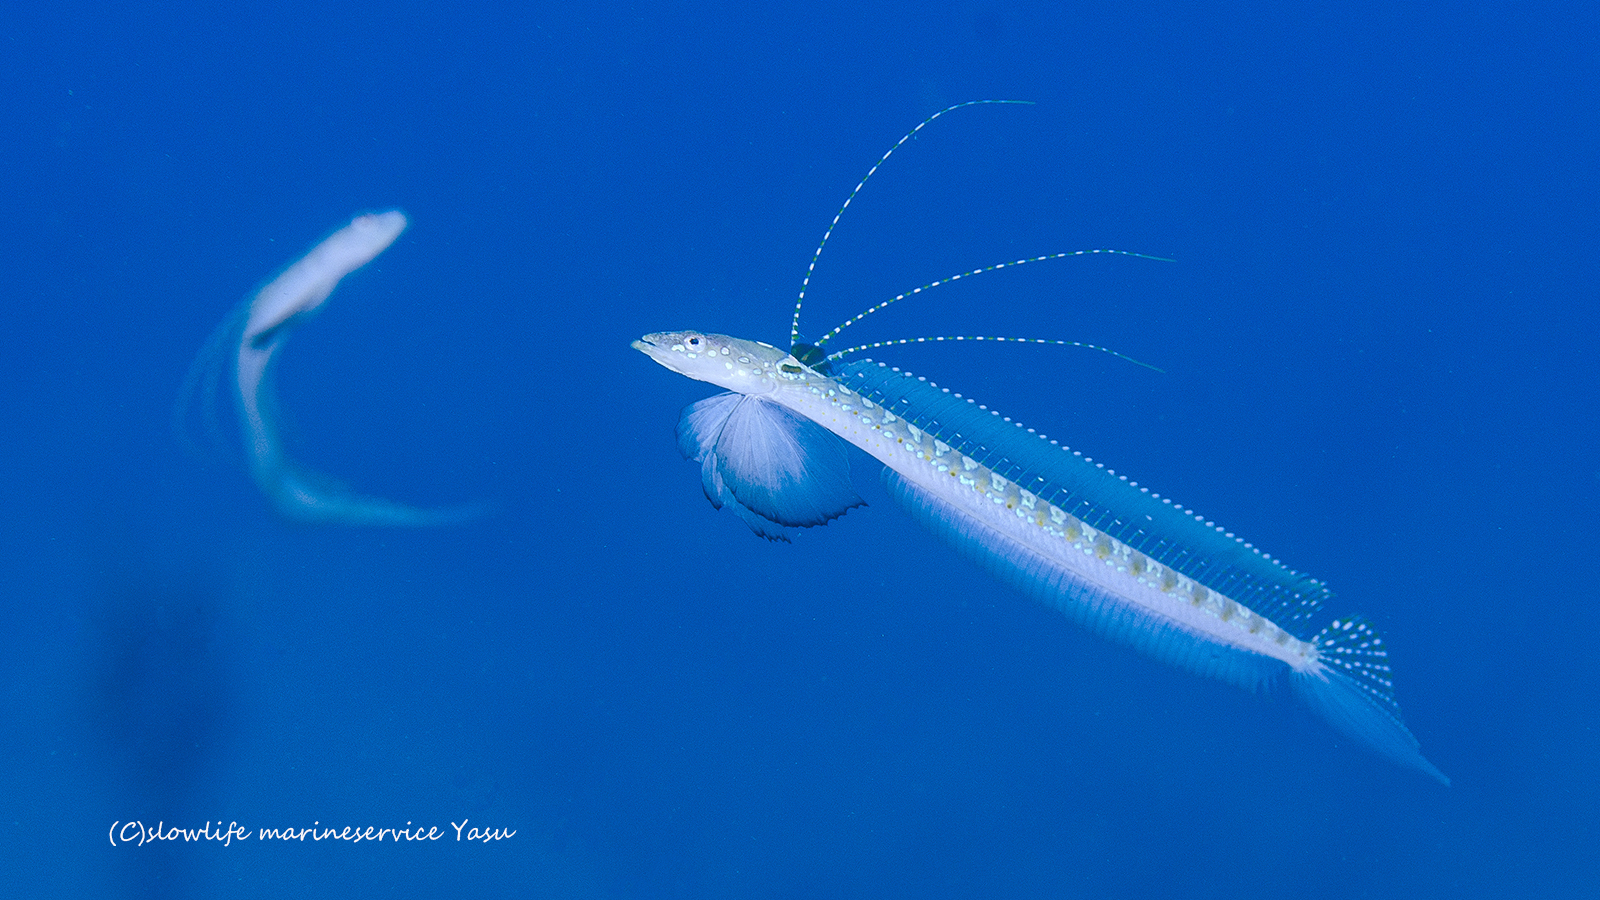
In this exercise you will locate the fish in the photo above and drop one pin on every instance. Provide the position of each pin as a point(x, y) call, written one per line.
point(1126, 562)
point(245, 347)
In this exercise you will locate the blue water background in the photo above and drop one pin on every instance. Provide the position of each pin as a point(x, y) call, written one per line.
point(1378, 337)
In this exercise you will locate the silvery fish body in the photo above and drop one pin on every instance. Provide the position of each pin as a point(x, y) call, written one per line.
point(1123, 561)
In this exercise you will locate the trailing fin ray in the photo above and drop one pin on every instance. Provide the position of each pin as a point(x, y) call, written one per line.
point(777, 469)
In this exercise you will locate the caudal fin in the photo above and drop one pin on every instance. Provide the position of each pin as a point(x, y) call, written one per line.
point(1353, 689)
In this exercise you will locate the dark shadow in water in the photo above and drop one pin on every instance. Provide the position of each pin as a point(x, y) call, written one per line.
point(158, 698)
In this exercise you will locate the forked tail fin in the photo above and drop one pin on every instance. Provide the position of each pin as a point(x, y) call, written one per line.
point(1354, 691)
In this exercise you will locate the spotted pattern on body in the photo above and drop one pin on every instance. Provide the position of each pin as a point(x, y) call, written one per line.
point(759, 368)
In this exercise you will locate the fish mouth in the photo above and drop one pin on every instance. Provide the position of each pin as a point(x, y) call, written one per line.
point(652, 346)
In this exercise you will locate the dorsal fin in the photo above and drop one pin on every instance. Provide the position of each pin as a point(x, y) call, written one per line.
point(982, 270)
point(794, 327)
point(1153, 525)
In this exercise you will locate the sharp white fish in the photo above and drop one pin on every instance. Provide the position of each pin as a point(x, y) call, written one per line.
point(1126, 562)
point(248, 342)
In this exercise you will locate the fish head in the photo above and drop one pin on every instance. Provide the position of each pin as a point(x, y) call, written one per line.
point(749, 367)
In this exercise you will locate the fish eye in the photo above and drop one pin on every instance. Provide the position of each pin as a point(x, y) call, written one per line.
point(693, 342)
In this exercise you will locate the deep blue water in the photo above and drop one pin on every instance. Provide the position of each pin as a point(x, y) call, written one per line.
point(1379, 341)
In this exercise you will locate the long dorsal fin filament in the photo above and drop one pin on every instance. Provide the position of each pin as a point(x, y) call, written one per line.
point(839, 354)
point(813, 354)
point(794, 328)
point(978, 271)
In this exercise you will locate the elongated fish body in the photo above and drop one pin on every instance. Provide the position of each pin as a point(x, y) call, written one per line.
point(286, 301)
point(249, 340)
point(1128, 564)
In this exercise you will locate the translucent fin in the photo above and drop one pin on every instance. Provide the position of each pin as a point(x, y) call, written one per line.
point(1049, 582)
point(197, 415)
point(305, 496)
point(767, 462)
point(719, 495)
point(1147, 522)
point(1353, 690)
